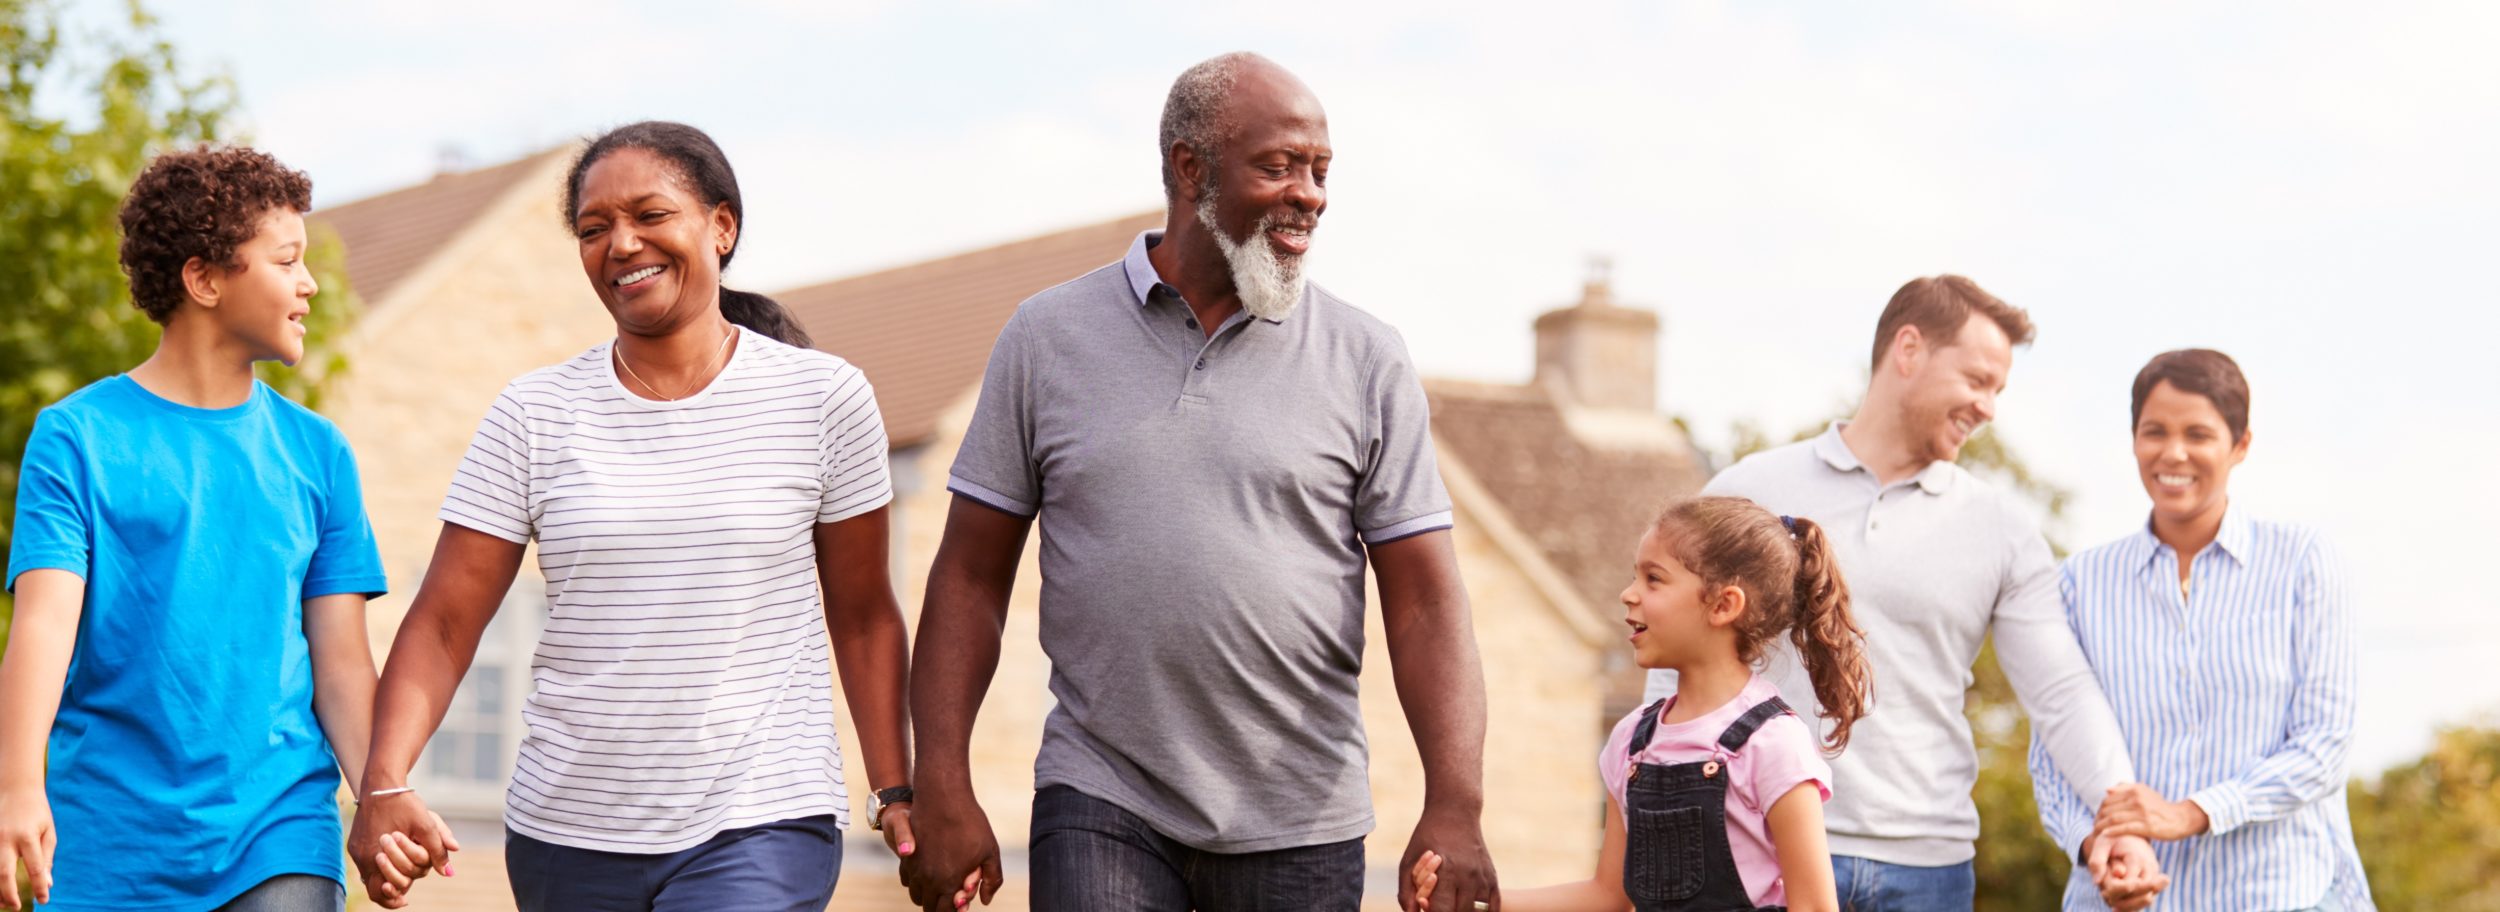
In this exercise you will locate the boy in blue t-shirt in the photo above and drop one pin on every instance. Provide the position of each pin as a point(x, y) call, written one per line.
point(191, 562)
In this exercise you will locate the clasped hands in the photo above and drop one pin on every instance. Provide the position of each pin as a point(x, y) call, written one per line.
point(2120, 851)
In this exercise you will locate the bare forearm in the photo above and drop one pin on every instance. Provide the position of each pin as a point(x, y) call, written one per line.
point(415, 691)
point(343, 680)
point(871, 655)
point(1433, 662)
point(41, 637)
point(952, 664)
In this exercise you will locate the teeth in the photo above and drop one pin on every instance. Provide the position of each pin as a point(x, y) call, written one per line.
point(2176, 481)
point(638, 275)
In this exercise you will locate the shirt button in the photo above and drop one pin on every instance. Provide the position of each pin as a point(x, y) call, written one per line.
point(1202, 364)
point(1193, 323)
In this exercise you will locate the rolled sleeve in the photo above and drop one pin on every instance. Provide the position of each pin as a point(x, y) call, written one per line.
point(996, 465)
point(54, 524)
point(1400, 493)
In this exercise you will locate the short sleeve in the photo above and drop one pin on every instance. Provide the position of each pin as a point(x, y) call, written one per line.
point(996, 464)
point(346, 560)
point(856, 475)
point(1783, 755)
point(54, 503)
point(491, 490)
point(1400, 492)
point(1614, 761)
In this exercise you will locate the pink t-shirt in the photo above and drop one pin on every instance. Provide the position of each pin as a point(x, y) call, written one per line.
point(1782, 754)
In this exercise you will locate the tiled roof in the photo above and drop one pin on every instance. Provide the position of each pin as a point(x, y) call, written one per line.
point(389, 236)
point(922, 333)
point(1584, 504)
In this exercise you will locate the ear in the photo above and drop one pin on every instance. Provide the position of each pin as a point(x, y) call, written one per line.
point(2239, 450)
point(1909, 347)
point(1727, 605)
point(1190, 170)
point(205, 283)
point(724, 230)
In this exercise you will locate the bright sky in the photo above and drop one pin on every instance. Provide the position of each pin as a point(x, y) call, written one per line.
point(2307, 186)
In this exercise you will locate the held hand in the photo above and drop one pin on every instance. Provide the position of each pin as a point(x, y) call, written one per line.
point(2133, 809)
point(2132, 875)
point(1425, 876)
point(954, 854)
point(1463, 878)
point(26, 837)
point(396, 840)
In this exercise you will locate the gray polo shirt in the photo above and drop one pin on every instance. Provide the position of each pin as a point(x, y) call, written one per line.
point(1204, 507)
point(1936, 564)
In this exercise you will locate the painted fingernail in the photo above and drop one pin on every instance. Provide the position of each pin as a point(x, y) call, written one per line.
point(905, 848)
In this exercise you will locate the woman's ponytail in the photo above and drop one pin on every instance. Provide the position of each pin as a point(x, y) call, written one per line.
point(1828, 640)
point(764, 315)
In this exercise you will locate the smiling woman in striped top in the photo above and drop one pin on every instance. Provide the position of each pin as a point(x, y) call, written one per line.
point(689, 484)
point(2225, 643)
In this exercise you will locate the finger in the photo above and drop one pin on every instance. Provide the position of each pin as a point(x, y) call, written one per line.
point(389, 871)
point(8, 873)
point(971, 888)
point(898, 834)
point(451, 841)
point(991, 878)
point(2136, 828)
point(404, 852)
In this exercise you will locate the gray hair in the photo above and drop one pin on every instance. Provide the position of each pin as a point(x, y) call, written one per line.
point(1194, 114)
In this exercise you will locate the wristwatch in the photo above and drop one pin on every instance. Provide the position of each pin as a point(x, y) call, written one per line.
point(884, 798)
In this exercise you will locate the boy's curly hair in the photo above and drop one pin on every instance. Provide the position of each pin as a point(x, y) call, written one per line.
point(203, 203)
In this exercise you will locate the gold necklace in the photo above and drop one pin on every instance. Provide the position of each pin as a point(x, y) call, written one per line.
point(646, 384)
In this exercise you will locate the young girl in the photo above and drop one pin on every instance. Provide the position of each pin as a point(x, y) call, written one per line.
point(188, 672)
point(1718, 790)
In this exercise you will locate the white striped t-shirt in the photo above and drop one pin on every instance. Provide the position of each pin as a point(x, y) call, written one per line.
point(683, 684)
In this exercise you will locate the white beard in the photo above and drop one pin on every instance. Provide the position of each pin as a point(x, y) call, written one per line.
point(1269, 285)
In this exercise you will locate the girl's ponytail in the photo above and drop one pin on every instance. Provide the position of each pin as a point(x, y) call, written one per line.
point(1828, 640)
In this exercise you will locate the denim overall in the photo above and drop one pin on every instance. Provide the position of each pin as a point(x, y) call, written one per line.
point(1676, 856)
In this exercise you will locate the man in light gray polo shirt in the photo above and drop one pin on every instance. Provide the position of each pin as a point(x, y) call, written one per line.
point(1937, 560)
point(1216, 451)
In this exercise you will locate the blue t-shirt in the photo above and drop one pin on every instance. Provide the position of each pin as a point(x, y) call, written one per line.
point(186, 766)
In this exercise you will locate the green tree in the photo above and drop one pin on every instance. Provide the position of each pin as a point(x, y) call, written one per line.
point(65, 314)
point(2429, 831)
point(2018, 868)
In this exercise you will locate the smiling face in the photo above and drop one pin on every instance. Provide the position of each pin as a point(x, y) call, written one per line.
point(1952, 388)
point(2184, 453)
point(1269, 187)
point(649, 245)
point(1670, 609)
point(263, 298)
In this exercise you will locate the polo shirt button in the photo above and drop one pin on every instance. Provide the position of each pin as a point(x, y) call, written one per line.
point(1202, 364)
point(1193, 323)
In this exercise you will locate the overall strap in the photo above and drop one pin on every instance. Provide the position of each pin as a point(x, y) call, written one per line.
point(1736, 735)
point(1648, 727)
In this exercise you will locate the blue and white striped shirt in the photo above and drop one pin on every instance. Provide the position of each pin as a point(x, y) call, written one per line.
point(2238, 695)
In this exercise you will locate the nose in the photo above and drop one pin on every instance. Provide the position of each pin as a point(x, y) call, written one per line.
point(311, 286)
point(623, 243)
point(1630, 596)
point(1987, 407)
point(2175, 451)
point(1306, 194)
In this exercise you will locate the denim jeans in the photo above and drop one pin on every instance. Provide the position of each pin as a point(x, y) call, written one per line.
point(1089, 855)
point(782, 866)
point(291, 893)
point(1867, 885)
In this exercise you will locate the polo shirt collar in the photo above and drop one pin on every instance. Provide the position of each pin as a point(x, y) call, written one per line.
point(1936, 478)
point(1143, 280)
point(1141, 271)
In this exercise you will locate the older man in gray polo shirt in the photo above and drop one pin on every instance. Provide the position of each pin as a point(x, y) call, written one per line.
point(1937, 561)
point(1216, 450)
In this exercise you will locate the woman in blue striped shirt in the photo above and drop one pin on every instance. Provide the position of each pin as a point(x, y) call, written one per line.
point(2225, 643)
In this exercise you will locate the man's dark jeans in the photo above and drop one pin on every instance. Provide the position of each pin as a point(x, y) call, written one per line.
point(1090, 856)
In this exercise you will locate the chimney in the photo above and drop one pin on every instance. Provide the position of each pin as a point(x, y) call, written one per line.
point(1595, 354)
